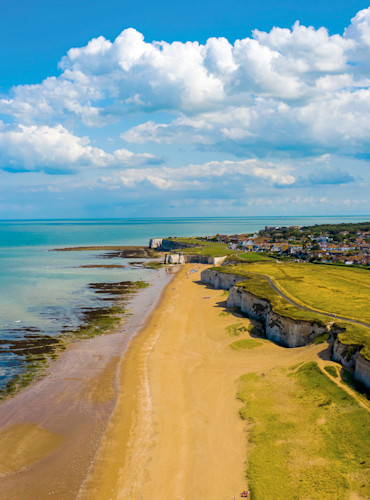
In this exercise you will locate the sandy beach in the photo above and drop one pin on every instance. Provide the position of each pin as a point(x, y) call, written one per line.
point(158, 419)
point(51, 431)
point(176, 431)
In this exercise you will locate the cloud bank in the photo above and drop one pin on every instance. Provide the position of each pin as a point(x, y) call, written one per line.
point(289, 95)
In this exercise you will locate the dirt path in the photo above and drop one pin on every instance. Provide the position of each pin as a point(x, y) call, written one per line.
point(309, 309)
point(326, 361)
point(176, 432)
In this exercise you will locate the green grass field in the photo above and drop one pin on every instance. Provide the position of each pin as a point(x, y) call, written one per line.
point(307, 437)
point(333, 289)
point(254, 257)
point(203, 247)
point(261, 288)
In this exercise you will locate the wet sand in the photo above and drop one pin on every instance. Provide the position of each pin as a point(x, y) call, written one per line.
point(176, 432)
point(51, 431)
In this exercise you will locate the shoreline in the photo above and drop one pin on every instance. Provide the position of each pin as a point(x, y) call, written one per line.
point(175, 428)
point(177, 431)
point(57, 422)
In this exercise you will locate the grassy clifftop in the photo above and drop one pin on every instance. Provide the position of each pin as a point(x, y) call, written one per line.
point(261, 288)
point(203, 247)
point(200, 246)
point(330, 289)
point(340, 291)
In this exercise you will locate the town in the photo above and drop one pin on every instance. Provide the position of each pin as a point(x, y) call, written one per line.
point(347, 244)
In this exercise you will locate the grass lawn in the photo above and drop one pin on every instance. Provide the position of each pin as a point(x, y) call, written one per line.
point(203, 247)
point(254, 257)
point(307, 437)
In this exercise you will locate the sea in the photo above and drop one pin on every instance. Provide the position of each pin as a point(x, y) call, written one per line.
point(44, 291)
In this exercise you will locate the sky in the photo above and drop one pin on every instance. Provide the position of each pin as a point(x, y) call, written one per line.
point(142, 108)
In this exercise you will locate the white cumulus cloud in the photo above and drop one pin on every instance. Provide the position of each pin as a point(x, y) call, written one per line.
point(35, 148)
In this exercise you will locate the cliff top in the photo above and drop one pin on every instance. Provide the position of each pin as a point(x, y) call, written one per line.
point(327, 289)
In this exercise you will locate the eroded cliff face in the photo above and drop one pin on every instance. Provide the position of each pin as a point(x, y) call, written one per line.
point(220, 280)
point(204, 259)
point(350, 357)
point(285, 331)
point(345, 355)
point(282, 330)
point(362, 371)
point(179, 258)
point(174, 258)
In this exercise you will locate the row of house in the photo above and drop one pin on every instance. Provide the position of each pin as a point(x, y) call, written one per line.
point(353, 251)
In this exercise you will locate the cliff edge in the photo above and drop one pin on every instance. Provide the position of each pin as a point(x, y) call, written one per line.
point(291, 331)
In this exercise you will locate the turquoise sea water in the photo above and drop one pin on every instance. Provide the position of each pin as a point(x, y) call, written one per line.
point(46, 291)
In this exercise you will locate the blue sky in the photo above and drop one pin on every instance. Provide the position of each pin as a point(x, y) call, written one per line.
point(116, 109)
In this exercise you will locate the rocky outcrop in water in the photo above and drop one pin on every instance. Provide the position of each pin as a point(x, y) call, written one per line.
point(155, 243)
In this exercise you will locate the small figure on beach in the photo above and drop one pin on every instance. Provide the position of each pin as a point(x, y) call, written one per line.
point(244, 494)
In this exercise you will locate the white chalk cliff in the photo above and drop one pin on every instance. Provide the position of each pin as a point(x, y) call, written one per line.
point(284, 330)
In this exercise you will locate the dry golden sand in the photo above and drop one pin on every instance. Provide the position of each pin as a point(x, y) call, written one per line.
point(176, 432)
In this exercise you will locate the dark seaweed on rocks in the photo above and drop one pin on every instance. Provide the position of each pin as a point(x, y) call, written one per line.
point(99, 320)
point(101, 266)
point(130, 253)
point(30, 344)
point(118, 288)
point(30, 353)
point(29, 350)
point(116, 251)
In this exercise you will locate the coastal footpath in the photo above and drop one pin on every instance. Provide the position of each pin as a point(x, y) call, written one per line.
point(289, 332)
